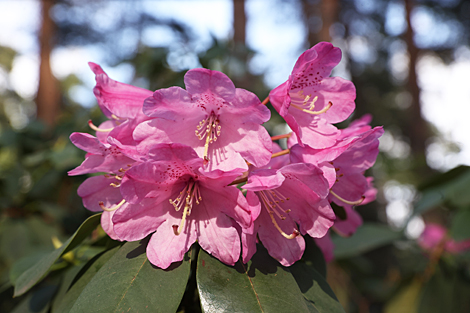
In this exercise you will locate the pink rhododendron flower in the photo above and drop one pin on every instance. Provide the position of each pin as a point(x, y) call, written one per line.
point(221, 122)
point(169, 194)
point(101, 157)
point(435, 236)
point(310, 101)
point(171, 159)
point(122, 104)
point(345, 226)
point(344, 163)
point(294, 194)
point(326, 246)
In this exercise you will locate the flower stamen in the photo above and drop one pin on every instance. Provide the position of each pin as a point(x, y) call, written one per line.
point(306, 104)
point(283, 152)
point(189, 193)
point(95, 128)
point(357, 202)
point(117, 206)
point(273, 138)
point(208, 128)
point(271, 199)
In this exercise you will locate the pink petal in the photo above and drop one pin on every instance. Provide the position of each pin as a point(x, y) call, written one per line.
point(226, 199)
point(201, 81)
point(136, 221)
point(248, 236)
point(165, 247)
point(348, 226)
point(318, 60)
point(264, 179)
point(326, 246)
point(107, 224)
point(286, 251)
point(151, 180)
point(173, 104)
point(247, 107)
point(306, 174)
point(88, 143)
point(120, 99)
point(97, 189)
point(253, 143)
point(217, 236)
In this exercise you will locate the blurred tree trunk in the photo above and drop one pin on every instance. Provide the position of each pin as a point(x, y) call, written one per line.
point(418, 131)
point(241, 76)
point(327, 10)
point(239, 22)
point(48, 95)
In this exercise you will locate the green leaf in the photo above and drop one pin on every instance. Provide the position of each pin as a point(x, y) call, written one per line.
point(437, 293)
point(310, 275)
point(406, 299)
point(443, 179)
point(23, 264)
point(367, 237)
point(460, 229)
point(318, 294)
point(65, 302)
point(68, 276)
point(262, 285)
point(37, 301)
point(34, 274)
point(429, 200)
point(128, 282)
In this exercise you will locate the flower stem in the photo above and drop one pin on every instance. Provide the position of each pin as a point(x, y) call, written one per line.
point(283, 152)
point(265, 101)
point(281, 136)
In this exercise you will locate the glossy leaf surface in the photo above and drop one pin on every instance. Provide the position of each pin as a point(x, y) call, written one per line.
point(35, 273)
point(129, 283)
point(261, 285)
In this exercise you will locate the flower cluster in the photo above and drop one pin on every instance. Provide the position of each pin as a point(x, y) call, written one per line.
point(435, 239)
point(197, 164)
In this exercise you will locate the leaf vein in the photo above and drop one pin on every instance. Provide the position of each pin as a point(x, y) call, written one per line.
point(125, 292)
point(253, 287)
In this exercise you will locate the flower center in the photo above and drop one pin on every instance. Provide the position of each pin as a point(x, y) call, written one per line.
point(187, 197)
point(208, 128)
point(306, 103)
point(272, 200)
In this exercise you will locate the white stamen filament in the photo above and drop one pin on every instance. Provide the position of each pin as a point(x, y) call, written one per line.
point(117, 206)
point(357, 202)
point(306, 104)
point(95, 128)
point(208, 128)
point(190, 193)
point(271, 199)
